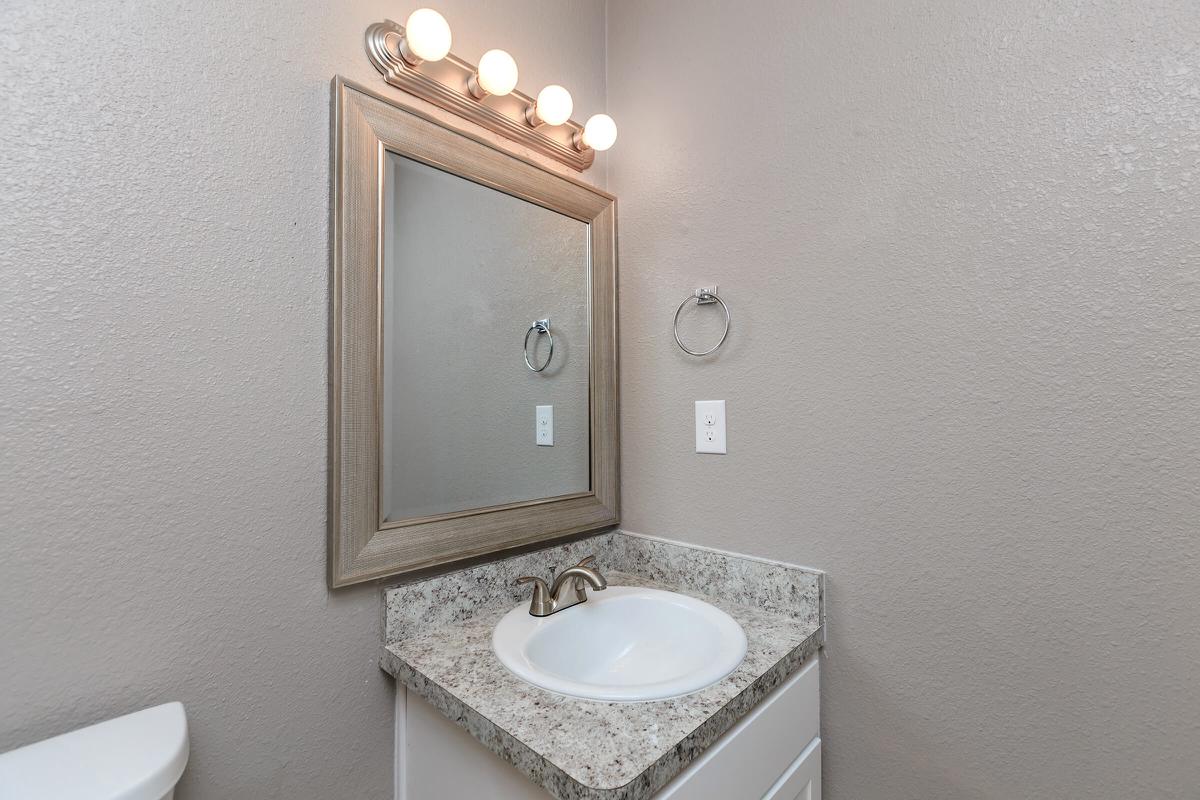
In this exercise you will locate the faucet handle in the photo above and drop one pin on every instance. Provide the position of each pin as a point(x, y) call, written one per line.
point(587, 561)
point(540, 604)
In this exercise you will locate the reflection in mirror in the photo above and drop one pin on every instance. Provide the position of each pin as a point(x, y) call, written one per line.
point(467, 270)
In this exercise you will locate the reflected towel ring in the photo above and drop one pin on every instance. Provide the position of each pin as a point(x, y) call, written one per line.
point(539, 326)
point(702, 297)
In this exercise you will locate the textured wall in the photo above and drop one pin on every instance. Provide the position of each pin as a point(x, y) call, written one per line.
point(960, 242)
point(163, 236)
point(467, 268)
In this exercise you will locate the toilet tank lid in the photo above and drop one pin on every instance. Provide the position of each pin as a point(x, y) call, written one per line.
point(136, 757)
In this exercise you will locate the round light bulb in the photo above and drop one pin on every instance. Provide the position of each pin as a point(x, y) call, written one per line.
point(554, 105)
point(427, 34)
point(599, 132)
point(497, 73)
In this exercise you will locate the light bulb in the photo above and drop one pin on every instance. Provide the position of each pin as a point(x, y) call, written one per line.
point(426, 37)
point(554, 105)
point(599, 132)
point(497, 74)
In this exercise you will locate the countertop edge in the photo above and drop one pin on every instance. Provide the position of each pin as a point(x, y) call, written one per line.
point(546, 774)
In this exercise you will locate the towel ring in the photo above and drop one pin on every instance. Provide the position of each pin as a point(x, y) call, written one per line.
point(702, 297)
point(539, 326)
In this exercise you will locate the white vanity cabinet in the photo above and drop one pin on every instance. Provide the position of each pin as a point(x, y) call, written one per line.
point(773, 753)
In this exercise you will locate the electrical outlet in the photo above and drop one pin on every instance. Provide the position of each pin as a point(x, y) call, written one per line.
point(544, 426)
point(710, 426)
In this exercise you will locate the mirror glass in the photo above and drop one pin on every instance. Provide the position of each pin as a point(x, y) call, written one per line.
point(467, 270)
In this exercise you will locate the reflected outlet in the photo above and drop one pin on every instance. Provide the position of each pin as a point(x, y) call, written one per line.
point(544, 426)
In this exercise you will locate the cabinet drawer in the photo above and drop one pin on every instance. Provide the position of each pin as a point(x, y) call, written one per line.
point(802, 781)
point(747, 762)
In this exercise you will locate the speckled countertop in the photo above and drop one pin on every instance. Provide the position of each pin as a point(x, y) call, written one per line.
point(438, 643)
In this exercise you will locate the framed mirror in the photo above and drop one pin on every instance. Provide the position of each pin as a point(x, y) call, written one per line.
point(473, 363)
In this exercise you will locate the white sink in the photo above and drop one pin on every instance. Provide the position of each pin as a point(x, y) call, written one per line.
point(624, 644)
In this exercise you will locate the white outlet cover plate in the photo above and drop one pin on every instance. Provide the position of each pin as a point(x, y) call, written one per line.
point(710, 426)
point(544, 426)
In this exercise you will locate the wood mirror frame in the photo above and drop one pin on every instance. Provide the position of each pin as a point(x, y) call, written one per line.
point(366, 126)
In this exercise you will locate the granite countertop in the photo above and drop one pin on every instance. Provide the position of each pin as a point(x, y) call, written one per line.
point(438, 643)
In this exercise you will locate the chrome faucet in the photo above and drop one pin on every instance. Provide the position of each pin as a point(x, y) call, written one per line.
point(569, 588)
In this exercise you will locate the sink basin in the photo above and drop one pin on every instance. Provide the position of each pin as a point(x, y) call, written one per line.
point(625, 644)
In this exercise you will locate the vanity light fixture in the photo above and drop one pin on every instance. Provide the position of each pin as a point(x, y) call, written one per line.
point(487, 94)
point(497, 75)
point(426, 37)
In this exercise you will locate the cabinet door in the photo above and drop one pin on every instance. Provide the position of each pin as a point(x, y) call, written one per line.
point(802, 780)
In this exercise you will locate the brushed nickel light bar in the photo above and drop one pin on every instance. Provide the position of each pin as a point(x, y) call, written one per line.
point(544, 124)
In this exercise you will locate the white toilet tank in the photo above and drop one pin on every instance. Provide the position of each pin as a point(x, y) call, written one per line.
point(140, 756)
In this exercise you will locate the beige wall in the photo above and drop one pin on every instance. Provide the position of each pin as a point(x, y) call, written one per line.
point(164, 231)
point(960, 242)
